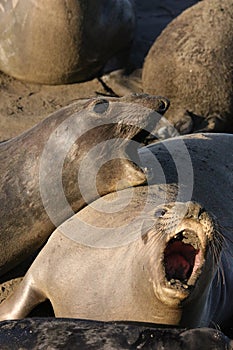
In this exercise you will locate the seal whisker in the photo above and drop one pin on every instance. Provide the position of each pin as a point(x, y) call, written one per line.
point(221, 274)
point(227, 242)
point(225, 228)
point(216, 247)
point(216, 251)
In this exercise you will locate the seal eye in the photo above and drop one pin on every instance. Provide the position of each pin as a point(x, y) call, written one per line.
point(101, 106)
point(202, 211)
point(160, 212)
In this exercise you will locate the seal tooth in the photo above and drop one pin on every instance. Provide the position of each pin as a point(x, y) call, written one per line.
point(177, 284)
point(179, 236)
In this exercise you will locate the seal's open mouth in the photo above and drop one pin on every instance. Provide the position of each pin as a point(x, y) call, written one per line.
point(182, 257)
point(142, 138)
point(145, 138)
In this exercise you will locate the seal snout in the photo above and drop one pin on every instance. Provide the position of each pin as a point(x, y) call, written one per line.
point(182, 257)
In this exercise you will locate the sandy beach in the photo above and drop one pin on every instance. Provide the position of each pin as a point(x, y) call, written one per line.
point(22, 105)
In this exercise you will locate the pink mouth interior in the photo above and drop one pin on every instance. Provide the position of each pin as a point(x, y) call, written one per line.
point(179, 260)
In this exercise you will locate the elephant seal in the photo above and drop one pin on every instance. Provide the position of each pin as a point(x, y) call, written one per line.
point(191, 64)
point(74, 334)
point(52, 42)
point(160, 266)
point(159, 253)
point(39, 169)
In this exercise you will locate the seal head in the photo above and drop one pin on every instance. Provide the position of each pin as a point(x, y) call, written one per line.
point(190, 244)
point(77, 154)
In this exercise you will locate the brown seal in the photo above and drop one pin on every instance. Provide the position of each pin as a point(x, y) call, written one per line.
point(191, 64)
point(159, 253)
point(39, 169)
point(53, 42)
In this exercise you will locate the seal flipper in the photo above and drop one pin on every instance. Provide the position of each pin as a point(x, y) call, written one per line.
point(211, 123)
point(215, 123)
point(25, 297)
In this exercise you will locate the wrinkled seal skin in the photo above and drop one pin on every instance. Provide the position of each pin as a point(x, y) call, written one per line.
point(191, 63)
point(87, 335)
point(25, 224)
point(58, 42)
point(131, 274)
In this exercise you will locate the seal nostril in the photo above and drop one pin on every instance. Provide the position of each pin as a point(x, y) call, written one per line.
point(101, 106)
point(163, 105)
point(201, 211)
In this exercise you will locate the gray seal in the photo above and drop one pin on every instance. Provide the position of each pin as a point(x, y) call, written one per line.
point(39, 184)
point(191, 64)
point(30, 334)
point(53, 42)
point(160, 258)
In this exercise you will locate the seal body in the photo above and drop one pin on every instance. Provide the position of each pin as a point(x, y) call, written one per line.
point(62, 42)
point(157, 268)
point(159, 253)
point(39, 182)
point(191, 64)
point(89, 335)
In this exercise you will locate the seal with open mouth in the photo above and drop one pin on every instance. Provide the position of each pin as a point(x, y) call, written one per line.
point(160, 253)
point(160, 267)
point(39, 188)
